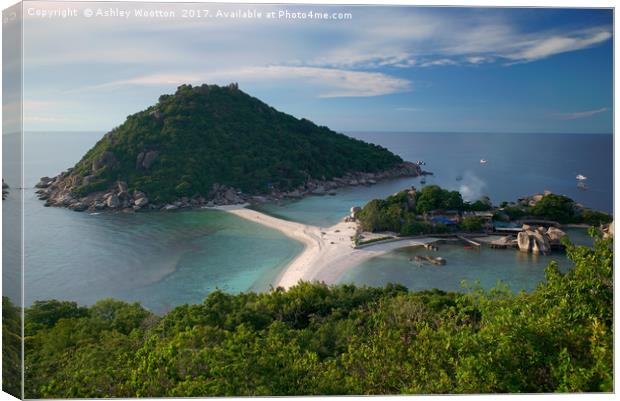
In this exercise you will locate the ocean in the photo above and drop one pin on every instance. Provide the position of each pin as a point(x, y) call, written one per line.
point(159, 259)
point(166, 259)
point(517, 165)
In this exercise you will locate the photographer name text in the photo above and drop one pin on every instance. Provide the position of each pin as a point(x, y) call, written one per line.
point(189, 13)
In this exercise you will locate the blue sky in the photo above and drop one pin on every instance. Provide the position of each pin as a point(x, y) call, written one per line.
point(386, 69)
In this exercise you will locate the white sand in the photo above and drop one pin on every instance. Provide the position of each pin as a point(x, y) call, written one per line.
point(328, 252)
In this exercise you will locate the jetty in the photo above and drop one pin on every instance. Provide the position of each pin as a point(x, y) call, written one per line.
point(509, 230)
point(469, 241)
point(535, 222)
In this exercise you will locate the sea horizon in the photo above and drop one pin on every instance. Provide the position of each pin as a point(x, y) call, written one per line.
point(354, 131)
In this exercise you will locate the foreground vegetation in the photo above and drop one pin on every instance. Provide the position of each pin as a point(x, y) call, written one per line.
point(11, 349)
point(315, 339)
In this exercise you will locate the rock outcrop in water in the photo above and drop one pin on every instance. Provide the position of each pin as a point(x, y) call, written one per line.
point(538, 239)
point(5, 189)
point(56, 192)
point(211, 145)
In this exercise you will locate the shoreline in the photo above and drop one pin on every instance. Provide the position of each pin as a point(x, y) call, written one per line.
point(328, 252)
point(60, 191)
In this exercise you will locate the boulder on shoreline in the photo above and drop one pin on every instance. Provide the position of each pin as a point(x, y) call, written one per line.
point(5, 189)
point(59, 191)
point(538, 239)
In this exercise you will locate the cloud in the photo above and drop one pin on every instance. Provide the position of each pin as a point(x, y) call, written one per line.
point(442, 38)
point(374, 54)
point(550, 45)
point(579, 114)
point(394, 37)
point(438, 62)
point(330, 82)
point(366, 60)
point(478, 59)
point(149, 80)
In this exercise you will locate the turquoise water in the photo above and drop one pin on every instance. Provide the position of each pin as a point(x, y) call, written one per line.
point(487, 266)
point(325, 211)
point(159, 259)
point(163, 260)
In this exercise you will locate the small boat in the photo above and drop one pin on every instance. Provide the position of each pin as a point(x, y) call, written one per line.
point(423, 181)
point(459, 178)
point(420, 163)
point(483, 161)
point(581, 177)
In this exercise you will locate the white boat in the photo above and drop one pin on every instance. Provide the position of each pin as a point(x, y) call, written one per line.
point(581, 177)
point(483, 161)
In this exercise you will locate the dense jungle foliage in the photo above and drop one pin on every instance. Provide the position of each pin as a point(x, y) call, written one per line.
point(317, 339)
point(209, 134)
point(11, 349)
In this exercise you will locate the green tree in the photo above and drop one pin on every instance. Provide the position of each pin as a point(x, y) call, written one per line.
point(595, 218)
point(319, 339)
point(45, 314)
point(555, 207)
point(433, 197)
point(471, 223)
point(11, 348)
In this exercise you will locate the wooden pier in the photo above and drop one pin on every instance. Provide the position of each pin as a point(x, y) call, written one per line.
point(536, 222)
point(469, 241)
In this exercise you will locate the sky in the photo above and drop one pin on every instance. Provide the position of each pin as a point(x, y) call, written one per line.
point(384, 69)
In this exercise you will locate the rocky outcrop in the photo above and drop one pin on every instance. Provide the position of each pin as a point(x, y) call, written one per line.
point(60, 191)
point(112, 201)
point(533, 199)
point(523, 240)
point(145, 160)
point(5, 189)
point(539, 239)
point(156, 115)
point(141, 202)
point(106, 159)
point(504, 242)
point(44, 182)
point(555, 235)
